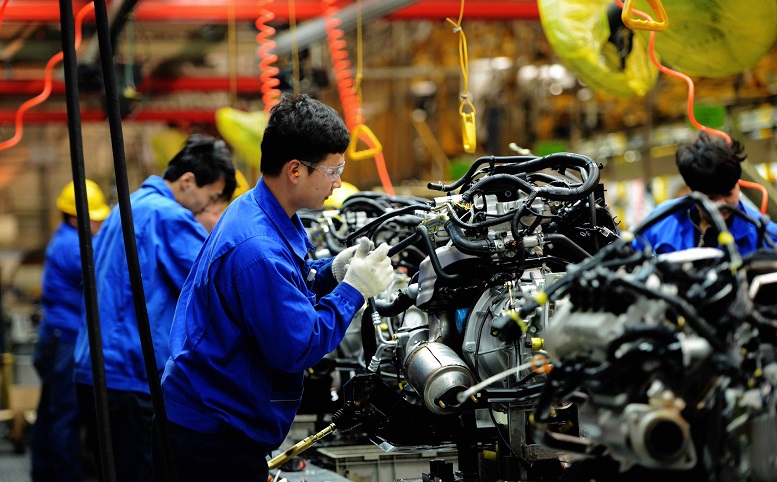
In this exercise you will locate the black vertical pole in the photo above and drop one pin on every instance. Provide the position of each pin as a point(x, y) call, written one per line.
point(85, 240)
point(128, 231)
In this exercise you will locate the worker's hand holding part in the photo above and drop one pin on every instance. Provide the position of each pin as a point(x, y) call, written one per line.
point(369, 272)
point(340, 263)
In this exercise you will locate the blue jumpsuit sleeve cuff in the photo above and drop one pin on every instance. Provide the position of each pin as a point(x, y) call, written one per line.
point(349, 294)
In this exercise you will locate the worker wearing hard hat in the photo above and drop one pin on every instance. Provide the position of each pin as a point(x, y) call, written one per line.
point(168, 239)
point(55, 436)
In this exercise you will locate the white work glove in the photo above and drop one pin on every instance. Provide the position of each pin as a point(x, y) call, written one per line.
point(340, 263)
point(370, 273)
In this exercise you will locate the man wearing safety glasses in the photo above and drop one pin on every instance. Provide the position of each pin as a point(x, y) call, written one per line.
point(255, 312)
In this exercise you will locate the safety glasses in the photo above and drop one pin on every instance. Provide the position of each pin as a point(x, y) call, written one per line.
point(331, 173)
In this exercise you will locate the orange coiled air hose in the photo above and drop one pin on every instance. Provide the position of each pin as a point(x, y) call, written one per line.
point(268, 72)
point(341, 65)
point(2, 11)
point(346, 88)
point(47, 81)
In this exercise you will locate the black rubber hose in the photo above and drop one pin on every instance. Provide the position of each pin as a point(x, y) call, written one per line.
point(128, 230)
point(473, 169)
point(365, 204)
point(369, 344)
point(480, 247)
point(404, 300)
point(555, 193)
point(421, 234)
point(496, 178)
point(377, 221)
point(107, 466)
point(560, 239)
point(408, 241)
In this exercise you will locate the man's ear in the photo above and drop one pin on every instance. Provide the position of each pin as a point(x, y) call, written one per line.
point(187, 180)
point(292, 170)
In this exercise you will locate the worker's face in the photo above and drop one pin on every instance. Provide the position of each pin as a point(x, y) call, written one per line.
point(95, 226)
point(731, 198)
point(211, 214)
point(196, 198)
point(318, 184)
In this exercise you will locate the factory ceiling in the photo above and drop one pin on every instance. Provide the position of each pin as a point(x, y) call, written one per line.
point(161, 45)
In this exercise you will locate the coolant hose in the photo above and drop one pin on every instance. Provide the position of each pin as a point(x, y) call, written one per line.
point(480, 247)
point(404, 300)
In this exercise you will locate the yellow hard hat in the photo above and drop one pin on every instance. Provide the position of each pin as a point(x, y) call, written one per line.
point(339, 195)
point(242, 185)
point(98, 210)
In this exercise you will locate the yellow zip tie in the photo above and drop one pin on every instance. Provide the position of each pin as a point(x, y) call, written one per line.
point(468, 127)
point(638, 24)
point(541, 298)
point(725, 238)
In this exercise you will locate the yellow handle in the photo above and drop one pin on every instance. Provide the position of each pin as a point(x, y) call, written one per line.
point(468, 132)
point(638, 24)
point(357, 155)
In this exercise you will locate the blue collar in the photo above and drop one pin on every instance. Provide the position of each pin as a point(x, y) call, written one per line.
point(287, 226)
point(158, 184)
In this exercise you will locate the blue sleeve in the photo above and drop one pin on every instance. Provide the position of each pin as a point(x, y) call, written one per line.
point(293, 329)
point(771, 231)
point(180, 241)
point(325, 281)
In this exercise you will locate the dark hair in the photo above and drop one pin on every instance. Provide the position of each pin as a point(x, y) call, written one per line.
point(301, 128)
point(710, 165)
point(208, 159)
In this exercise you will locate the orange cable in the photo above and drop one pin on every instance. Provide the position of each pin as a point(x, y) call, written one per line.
point(681, 76)
point(268, 72)
point(2, 11)
point(346, 87)
point(691, 117)
point(341, 65)
point(47, 82)
point(762, 189)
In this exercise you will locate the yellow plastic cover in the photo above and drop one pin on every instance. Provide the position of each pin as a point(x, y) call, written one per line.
point(243, 131)
point(714, 38)
point(578, 30)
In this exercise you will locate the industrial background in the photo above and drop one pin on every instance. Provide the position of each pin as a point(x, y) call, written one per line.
point(179, 62)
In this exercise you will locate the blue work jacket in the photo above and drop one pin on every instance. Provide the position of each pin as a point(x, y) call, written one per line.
point(677, 231)
point(62, 296)
point(168, 239)
point(254, 314)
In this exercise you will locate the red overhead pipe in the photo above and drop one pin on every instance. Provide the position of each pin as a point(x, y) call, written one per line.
point(216, 10)
point(158, 85)
point(201, 116)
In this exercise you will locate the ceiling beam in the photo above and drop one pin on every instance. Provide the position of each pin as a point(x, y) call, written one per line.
point(203, 116)
point(218, 10)
point(156, 85)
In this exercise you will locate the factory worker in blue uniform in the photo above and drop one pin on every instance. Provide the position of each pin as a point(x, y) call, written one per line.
point(55, 438)
point(168, 238)
point(255, 312)
point(710, 166)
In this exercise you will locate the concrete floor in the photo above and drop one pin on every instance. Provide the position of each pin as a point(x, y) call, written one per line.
point(14, 467)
